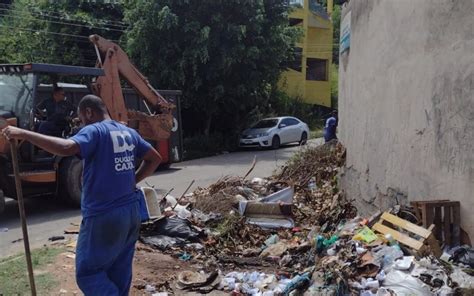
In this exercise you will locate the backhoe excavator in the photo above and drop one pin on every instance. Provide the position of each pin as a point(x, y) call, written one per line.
point(21, 90)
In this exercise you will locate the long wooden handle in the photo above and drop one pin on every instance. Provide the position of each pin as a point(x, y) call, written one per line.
point(21, 208)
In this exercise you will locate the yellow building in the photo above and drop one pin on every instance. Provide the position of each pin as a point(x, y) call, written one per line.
point(308, 75)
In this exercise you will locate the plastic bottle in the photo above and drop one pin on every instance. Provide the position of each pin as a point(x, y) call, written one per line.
point(391, 241)
point(330, 241)
point(319, 243)
point(312, 184)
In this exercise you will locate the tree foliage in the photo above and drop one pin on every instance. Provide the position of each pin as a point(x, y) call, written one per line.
point(225, 55)
point(55, 31)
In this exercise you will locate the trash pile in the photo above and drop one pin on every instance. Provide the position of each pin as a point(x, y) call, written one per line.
point(295, 232)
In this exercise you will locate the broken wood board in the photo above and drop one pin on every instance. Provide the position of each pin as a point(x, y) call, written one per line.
point(408, 234)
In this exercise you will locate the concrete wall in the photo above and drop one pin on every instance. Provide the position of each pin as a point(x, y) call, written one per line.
point(407, 103)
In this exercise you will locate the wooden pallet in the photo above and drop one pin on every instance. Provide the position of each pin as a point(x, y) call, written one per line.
point(446, 217)
point(408, 234)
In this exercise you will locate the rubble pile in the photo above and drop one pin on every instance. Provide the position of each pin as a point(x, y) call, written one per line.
point(295, 232)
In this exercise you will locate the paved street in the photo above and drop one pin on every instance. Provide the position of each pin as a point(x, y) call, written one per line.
point(46, 217)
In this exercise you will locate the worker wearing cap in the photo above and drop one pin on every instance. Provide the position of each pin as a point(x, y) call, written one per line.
point(110, 201)
point(330, 128)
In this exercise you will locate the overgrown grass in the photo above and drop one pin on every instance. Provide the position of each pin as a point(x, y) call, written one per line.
point(14, 275)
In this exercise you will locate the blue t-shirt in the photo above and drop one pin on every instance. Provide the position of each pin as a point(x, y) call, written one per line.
point(109, 150)
point(330, 129)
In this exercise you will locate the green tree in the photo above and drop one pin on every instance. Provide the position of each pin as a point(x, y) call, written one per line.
point(224, 54)
point(55, 31)
point(336, 24)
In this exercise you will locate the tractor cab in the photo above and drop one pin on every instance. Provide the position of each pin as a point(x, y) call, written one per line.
point(23, 88)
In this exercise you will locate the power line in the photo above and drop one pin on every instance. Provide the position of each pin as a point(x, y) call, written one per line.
point(49, 32)
point(61, 23)
point(51, 14)
point(43, 13)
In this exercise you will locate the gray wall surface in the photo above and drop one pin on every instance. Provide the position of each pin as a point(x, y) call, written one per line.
point(406, 99)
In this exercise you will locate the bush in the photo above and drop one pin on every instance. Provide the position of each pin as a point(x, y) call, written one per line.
point(202, 146)
point(282, 104)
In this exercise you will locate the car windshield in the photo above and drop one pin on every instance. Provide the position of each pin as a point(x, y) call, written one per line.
point(266, 123)
point(16, 95)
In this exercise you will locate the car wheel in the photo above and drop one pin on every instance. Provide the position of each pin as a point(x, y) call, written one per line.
point(276, 142)
point(2, 202)
point(70, 180)
point(304, 138)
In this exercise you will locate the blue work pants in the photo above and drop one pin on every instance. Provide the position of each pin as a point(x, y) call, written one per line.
point(105, 249)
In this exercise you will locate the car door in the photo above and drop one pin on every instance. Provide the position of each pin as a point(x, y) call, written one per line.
point(294, 130)
point(284, 131)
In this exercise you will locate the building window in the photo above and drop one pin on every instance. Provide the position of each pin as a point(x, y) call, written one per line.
point(297, 3)
point(316, 69)
point(295, 63)
point(296, 22)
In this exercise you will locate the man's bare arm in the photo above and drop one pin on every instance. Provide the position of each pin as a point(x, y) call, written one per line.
point(57, 146)
point(151, 160)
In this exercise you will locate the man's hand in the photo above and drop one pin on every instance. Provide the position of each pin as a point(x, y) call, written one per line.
point(12, 132)
point(58, 146)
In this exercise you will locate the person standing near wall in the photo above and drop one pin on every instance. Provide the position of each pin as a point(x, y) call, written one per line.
point(330, 128)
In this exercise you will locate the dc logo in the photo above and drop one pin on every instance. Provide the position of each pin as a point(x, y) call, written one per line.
point(122, 141)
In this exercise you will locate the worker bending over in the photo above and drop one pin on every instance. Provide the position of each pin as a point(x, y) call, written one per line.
point(330, 128)
point(110, 200)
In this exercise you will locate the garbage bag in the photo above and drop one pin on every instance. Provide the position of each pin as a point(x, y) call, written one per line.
point(163, 242)
point(173, 227)
point(463, 254)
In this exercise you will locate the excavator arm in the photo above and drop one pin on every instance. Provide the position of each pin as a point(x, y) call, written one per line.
point(157, 124)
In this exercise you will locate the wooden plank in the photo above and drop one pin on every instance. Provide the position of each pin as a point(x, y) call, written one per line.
point(447, 225)
point(419, 202)
point(406, 225)
point(439, 203)
point(427, 213)
point(401, 238)
point(417, 209)
point(437, 223)
point(456, 234)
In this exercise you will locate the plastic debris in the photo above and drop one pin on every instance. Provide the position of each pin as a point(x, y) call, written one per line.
point(298, 282)
point(366, 235)
point(185, 257)
point(464, 255)
point(404, 284)
point(275, 250)
point(404, 263)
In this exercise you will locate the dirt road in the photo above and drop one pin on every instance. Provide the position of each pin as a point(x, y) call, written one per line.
point(47, 217)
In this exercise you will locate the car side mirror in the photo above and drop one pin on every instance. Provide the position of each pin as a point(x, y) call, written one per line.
point(281, 125)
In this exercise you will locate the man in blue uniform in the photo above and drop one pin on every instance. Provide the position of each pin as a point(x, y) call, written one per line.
point(58, 110)
point(110, 200)
point(330, 128)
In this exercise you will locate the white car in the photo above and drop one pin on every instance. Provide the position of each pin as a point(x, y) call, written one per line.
point(273, 132)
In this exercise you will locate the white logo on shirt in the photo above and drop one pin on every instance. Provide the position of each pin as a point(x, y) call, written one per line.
point(122, 141)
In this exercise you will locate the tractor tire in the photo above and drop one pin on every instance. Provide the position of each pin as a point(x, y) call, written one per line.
point(70, 180)
point(304, 139)
point(276, 142)
point(2, 202)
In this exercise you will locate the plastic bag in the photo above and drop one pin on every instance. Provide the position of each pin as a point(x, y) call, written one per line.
point(464, 255)
point(404, 284)
point(386, 256)
point(366, 235)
